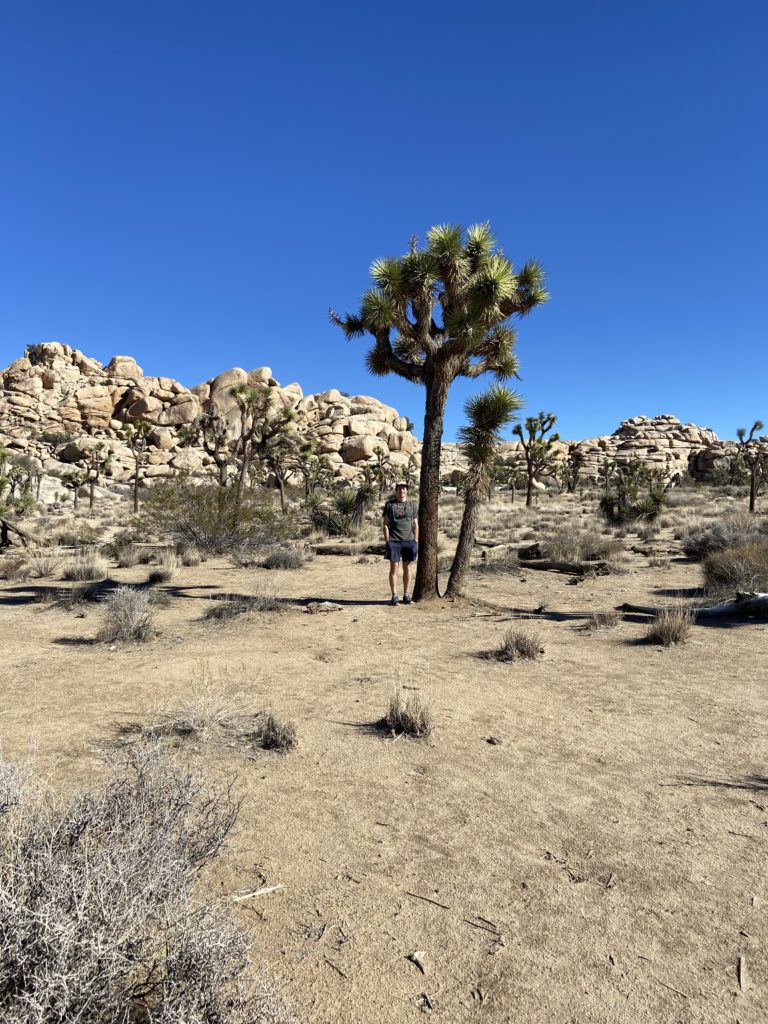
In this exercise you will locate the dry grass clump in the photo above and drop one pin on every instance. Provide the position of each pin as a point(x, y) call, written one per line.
point(190, 557)
point(42, 563)
point(102, 916)
point(670, 626)
point(127, 556)
point(408, 714)
point(167, 568)
point(275, 733)
point(129, 616)
point(224, 607)
point(14, 567)
point(598, 621)
point(569, 545)
point(743, 568)
point(76, 534)
point(660, 563)
point(519, 644)
point(87, 564)
point(285, 557)
point(731, 531)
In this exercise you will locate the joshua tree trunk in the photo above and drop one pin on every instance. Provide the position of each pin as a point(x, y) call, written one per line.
point(136, 487)
point(281, 487)
point(437, 386)
point(464, 547)
point(91, 488)
point(529, 491)
point(752, 488)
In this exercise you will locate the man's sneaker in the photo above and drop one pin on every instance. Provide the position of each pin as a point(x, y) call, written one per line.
point(406, 599)
point(393, 601)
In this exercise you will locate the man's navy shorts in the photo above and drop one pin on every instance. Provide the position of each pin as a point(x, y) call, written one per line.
point(405, 550)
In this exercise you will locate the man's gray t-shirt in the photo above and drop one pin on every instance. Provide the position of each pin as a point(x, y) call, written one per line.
point(399, 516)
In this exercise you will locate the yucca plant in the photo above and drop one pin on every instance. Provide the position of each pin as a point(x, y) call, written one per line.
point(488, 414)
point(436, 314)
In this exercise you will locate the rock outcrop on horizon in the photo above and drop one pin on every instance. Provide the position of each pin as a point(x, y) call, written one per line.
point(55, 402)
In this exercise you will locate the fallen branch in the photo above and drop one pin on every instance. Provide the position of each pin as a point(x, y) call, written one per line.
point(263, 891)
point(7, 527)
point(744, 606)
point(426, 899)
point(571, 568)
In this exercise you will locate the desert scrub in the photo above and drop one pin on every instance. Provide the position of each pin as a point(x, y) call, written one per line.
point(42, 563)
point(224, 607)
point(285, 557)
point(408, 714)
point(129, 616)
point(743, 568)
point(88, 564)
point(730, 531)
point(670, 626)
point(167, 567)
point(567, 545)
point(137, 846)
point(274, 733)
point(519, 644)
point(598, 621)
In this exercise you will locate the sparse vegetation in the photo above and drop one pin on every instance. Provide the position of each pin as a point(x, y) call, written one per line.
point(730, 531)
point(670, 626)
point(408, 714)
point(224, 607)
point(128, 616)
point(88, 564)
point(598, 621)
point(285, 557)
point(274, 733)
point(738, 569)
point(102, 920)
point(519, 644)
point(167, 568)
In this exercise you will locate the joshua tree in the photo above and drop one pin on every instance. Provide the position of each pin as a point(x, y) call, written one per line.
point(537, 447)
point(753, 453)
point(73, 480)
point(436, 314)
point(314, 469)
point(570, 469)
point(383, 470)
point(488, 414)
point(210, 430)
point(137, 439)
point(264, 432)
point(95, 459)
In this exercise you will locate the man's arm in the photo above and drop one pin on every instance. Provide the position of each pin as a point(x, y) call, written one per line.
point(416, 528)
point(385, 527)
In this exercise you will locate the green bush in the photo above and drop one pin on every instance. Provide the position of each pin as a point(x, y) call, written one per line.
point(201, 514)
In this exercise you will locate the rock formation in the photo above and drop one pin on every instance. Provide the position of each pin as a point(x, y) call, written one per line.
point(56, 402)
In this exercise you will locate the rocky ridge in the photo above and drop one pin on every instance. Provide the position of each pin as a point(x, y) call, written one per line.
point(55, 402)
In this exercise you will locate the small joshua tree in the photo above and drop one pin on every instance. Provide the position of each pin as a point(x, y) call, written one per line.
point(137, 439)
point(263, 434)
point(314, 469)
point(95, 459)
point(488, 414)
point(537, 447)
point(570, 469)
point(210, 430)
point(753, 453)
point(73, 480)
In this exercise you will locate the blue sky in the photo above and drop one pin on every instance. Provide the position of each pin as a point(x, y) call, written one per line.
point(195, 184)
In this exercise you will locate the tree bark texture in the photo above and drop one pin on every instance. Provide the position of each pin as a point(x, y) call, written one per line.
point(464, 546)
point(437, 385)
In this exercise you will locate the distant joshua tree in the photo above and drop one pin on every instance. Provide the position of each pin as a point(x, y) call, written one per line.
point(436, 314)
point(537, 447)
point(488, 414)
point(753, 453)
point(137, 438)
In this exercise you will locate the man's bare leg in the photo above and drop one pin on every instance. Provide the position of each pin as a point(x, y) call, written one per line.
point(406, 577)
point(393, 576)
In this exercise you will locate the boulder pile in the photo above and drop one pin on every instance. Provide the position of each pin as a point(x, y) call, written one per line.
point(55, 403)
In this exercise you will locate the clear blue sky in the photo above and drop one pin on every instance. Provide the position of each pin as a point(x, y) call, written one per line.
point(195, 184)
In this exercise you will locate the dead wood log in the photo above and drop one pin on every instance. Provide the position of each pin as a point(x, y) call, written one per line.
point(571, 568)
point(7, 528)
point(331, 548)
point(744, 606)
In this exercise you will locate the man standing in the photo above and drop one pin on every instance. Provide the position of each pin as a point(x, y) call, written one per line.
point(401, 536)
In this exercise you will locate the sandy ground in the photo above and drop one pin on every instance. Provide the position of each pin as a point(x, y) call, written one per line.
point(605, 862)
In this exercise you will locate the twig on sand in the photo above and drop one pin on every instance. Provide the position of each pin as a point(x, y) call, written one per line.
point(426, 899)
point(263, 891)
point(335, 967)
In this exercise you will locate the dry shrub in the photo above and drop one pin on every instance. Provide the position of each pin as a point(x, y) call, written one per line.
point(129, 616)
point(660, 563)
point(743, 568)
point(87, 564)
point(568, 545)
point(732, 531)
point(102, 918)
point(224, 607)
point(602, 620)
point(274, 733)
point(519, 644)
point(167, 567)
point(14, 567)
point(670, 626)
point(42, 564)
point(285, 557)
point(76, 534)
point(127, 556)
point(190, 557)
point(408, 714)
